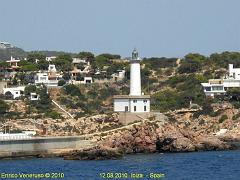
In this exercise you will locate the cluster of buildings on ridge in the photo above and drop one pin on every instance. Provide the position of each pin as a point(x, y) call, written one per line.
point(5, 45)
point(220, 86)
point(135, 102)
point(52, 76)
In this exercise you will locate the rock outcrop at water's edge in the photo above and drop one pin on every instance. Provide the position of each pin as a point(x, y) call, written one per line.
point(95, 153)
point(149, 138)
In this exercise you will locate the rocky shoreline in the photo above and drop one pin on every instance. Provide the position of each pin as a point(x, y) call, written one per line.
point(150, 137)
point(176, 131)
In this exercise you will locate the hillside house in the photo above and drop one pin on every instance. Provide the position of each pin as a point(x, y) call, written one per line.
point(14, 63)
point(220, 86)
point(14, 92)
point(49, 78)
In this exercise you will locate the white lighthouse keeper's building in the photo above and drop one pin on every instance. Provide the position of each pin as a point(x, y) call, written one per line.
point(136, 102)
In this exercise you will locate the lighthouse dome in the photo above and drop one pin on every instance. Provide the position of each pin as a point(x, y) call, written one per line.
point(135, 55)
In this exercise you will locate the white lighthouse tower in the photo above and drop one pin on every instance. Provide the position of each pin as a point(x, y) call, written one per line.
point(131, 107)
point(135, 75)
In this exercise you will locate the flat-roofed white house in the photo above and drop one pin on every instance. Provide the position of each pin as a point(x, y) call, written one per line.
point(14, 92)
point(43, 78)
point(213, 87)
point(136, 104)
point(79, 61)
point(220, 86)
point(119, 76)
point(14, 63)
point(50, 58)
point(86, 80)
point(49, 78)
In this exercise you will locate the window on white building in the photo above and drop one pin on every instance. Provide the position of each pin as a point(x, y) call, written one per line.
point(135, 108)
point(145, 101)
point(135, 101)
point(217, 88)
point(43, 78)
point(145, 108)
point(208, 88)
point(126, 108)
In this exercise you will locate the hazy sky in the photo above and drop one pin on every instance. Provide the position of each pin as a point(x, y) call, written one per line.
point(156, 27)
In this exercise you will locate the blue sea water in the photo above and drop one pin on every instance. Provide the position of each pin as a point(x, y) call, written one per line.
point(180, 166)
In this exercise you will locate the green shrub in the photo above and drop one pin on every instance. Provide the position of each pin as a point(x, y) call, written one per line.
point(156, 63)
point(53, 115)
point(44, 103)
point(13, 115)
point(165, 100)
point(3, 107)
point(236, 104)
point(61, 82)
point(215, 113)
point(189, 66)
point(222, 118)
point(72, 90)
point(236, 116)
point(30, 89)
point(206, 109)
point(66, 76)
point(201, 122)
point(80, 114)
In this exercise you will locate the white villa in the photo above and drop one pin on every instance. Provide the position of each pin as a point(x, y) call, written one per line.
point(119, 76)
point(136, 104)
point(220, 86)
point(49, 78)
point(78, 61)
point(14, 63)
point(14, 92)
point(50, 58)
point(86, 80)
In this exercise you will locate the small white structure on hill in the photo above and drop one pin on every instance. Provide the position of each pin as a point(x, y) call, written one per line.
point(135, 102)
point(119, 76)
point(50, 58)
point(34, 96)
point(220, 86)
